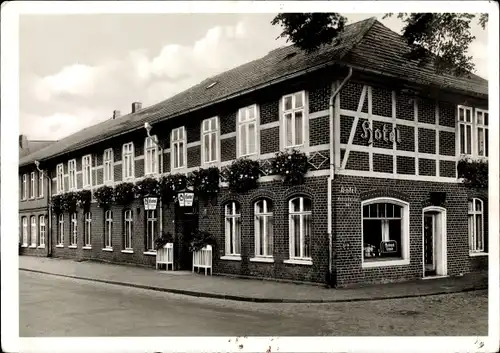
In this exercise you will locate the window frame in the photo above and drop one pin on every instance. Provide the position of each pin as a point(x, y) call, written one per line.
point(231, 220)
point(32, 186)
point(24, 186)
point(40, 184)
point(72, 180)
point(151, 147)
point(73, 230)
point(212, 133)
point(87, 230)
point(177, 142)
point(60, 231)
point(41, 231)
point(485, 128)
point(33, 232)
point(87, 184)
point(108, 229)
point(128, 154)
point(474, 136)
point(405, 233)
point(268, 217)
point(128, 230)
point(24, 235)
point(60, 178)
point(149, 238)
point(291, 239)
point(108, 164)
point(293, 111)
point(245, 122)
point(472, 237)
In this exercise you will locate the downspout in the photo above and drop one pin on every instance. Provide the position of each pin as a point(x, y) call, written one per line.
point(161, 203)
point(332, 174)
point(49, 206)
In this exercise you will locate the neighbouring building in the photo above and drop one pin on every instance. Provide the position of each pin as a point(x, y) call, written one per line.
point(381, 202)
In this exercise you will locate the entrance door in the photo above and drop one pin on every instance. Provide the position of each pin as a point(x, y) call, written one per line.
point(186, 224)
point(434, 242)
point(429, 244)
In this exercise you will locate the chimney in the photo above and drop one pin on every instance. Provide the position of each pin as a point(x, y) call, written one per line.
point(136, 106)
point(116, 114)
point(23, 141)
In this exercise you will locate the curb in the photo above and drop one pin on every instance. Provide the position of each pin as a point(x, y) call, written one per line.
point(251, 299)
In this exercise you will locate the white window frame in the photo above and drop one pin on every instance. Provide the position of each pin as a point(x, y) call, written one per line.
point(24, 221)
point(302, 213)
point(151, 156)
point(72, 174)
point(128, 229)
point(40, 184)
point(73, 230)
point(267, 217)
point(485, 131)
point(210, 129)
point(108, 229)
point(244, 121)
point(32, 185)
point(108, 163)
point(175, 140)
point(405, 233)
point(472, 214)
point(128, 157)
point(60, 178)
point(87, 231)
point(42, 231)
point(232, 221)
point(474, 126)
point(60, 231)
point(25, 186)
point(87, 167)
point(151, 230)
point(293, 111)
point(33, 232)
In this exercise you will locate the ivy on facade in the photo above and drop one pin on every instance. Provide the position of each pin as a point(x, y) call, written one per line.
point(473, 172)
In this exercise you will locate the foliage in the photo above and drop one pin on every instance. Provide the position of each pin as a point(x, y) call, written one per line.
point(56, 203)
point(474, 173)
point(200, 239)
point(292, 165)
point(84, 198)
point(441, 38)
point(147, 187)
point(205, 182)
point(69, 202)
point(242, 175)
point(104, 196)
point(163, 239)
point(171, 184)
point(124, 193)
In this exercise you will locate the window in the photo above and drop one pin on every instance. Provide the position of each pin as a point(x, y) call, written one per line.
point(385, 230)
point(476, 226)
point(482, 132)
point(263, 228)
point(74, 229)
point(41, 224)
point(33, 231)
point(25, 187)
point(87, 171)
point(87, 236)
point(108, 229)
point(60, 178)
point(40, 184)
point(293, 119)
point(25, 231)
point(150, 230)
point(247, 131)
point(300, 218)
point(108, 166)
point(232, 218)
point(60, 233)
point(210, 140)
point(473, 131)
point(32, 185)
point(151, 155)
point(128, 230)
point(72, 174)
point(128, 161)
point(178, 148)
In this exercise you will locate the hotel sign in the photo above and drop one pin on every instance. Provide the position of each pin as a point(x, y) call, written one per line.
point(388, 246)
point(185, 199)
point(150, 203)
point(387, 134)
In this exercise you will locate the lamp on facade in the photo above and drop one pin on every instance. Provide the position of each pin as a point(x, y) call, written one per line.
point(148, 128)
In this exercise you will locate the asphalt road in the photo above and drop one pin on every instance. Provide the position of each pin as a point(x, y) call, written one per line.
point(57, 307)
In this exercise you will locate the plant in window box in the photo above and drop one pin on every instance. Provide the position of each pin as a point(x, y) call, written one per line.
point(473, 172)
point(200, 239)
point(69, 202)
point(124, 193)
point(147, 187)
point(163, 240)
point(292, 165)
point(242, 175)
point(56, 202)
point(171, 184)
point(104, 196)
point(205, 181)
point(83, 199)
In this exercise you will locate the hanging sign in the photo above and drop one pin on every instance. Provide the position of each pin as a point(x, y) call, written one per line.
point(188, 199)
point(388, 246)
point(180, 198)
point(150, 203)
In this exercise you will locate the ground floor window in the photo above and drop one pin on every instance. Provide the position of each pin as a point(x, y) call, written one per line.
point(60, 231)
point(88, 229)
point(300, 227)
point(263, 210)
point(108, 229)
point(151, 221)
point(24, 221)
point(127, 241)
point(384, 230)
point(74, 229)
point(232, 228)
point(41, 224)
point(33, 231)
point(476, 226)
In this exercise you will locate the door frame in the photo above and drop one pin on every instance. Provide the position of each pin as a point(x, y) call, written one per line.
point(440, 252)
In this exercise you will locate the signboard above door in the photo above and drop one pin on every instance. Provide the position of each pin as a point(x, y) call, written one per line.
point(185, 199)
point(150, 203)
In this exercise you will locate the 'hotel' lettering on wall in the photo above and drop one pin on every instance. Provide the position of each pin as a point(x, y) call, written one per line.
point(387, 134)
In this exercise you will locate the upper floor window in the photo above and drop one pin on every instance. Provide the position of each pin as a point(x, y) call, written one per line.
point(60, 178)
point(151, 155)
point(247, 131)
point(108, 229)
point(473, 131)
point(87, 171)
point(263, 210)
point(232, 221)
point(72, 174)
point(108, 166)
point(40, 184)
point(210, 140)
point(476, 226)
point(178, 144)
point(87, 238)
point(32, 185)
point(293, 119)
point(128, 161)
point(24, 187)
point(33, 231)
point(41, 225)
point(482, 132)
point(300, 228)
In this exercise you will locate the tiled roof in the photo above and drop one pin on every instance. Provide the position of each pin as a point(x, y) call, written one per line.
point(362, 43)
point(33, 146)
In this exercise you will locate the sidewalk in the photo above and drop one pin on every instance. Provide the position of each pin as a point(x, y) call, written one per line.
point(244, 289)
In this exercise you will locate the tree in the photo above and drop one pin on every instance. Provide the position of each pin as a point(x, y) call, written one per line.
point(441, 38)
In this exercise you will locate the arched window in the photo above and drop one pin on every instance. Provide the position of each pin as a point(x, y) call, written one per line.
point(127, 234)
point(88, 230)
point(41, 224)
point(232, 221)
point(263, 210)
point(476, 226)
point(108, 229)
point(60, 233)
point(74, 230)
point(151, 155)
point(300, 228)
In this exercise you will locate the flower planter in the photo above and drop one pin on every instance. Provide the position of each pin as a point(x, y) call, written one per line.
point(203, 259)
point(165, 256)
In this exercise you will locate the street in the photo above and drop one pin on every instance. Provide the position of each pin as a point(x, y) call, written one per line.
point(56, 306)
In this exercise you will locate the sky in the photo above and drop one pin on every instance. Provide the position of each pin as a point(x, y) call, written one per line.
point(75, 70)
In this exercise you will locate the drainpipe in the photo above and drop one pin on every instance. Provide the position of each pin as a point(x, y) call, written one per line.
point(332, 172)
